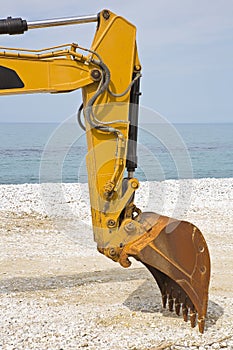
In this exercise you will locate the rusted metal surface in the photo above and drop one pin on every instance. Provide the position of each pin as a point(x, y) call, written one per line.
point(176, 254)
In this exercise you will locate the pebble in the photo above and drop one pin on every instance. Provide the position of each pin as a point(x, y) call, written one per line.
point(37, 314)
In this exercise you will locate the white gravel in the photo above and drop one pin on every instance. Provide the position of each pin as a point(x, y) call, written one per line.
point(58, 292)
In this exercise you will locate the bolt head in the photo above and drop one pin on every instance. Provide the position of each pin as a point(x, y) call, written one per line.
point(137, 68)
point(111, 223)
point(112, 252)
point(95, 74)
point(130, 227)
point(134, 184)
point(106, 14)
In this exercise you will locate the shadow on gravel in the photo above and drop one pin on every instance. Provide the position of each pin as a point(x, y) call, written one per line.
point(27, 284)
point(147, 298)
point(215, 311)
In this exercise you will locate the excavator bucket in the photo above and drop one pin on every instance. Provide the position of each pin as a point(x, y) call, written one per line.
point(176, 254)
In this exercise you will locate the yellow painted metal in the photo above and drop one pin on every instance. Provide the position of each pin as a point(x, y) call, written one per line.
point(115, 42)
point(47, 72)
point(174, 252)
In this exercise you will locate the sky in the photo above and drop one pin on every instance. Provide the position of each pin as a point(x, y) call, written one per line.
point(185, 47)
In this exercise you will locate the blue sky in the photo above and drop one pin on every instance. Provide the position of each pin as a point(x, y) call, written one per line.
point(185, 48)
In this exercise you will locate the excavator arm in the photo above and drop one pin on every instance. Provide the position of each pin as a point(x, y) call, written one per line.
point(108, 73)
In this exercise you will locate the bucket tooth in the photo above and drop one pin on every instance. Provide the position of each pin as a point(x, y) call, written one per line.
point(185, 312)
point(201, 324)
point(170, 302)
point(177, 306)
point(164, 300)
point(193, 316)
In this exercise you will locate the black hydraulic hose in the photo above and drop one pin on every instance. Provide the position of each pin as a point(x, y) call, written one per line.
point(89, 107)
point(102, 89)
point(79, 117)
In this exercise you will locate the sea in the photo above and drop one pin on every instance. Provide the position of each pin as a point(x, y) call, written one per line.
point(50, 152)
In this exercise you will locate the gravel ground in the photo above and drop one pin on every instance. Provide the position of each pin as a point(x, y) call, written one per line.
point(57, 292)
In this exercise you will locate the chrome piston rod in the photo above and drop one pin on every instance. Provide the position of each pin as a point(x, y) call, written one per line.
point(61, 21)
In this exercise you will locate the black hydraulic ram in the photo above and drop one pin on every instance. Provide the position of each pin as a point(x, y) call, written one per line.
point(131, 163)
point(13, 26)
point(19, 26)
